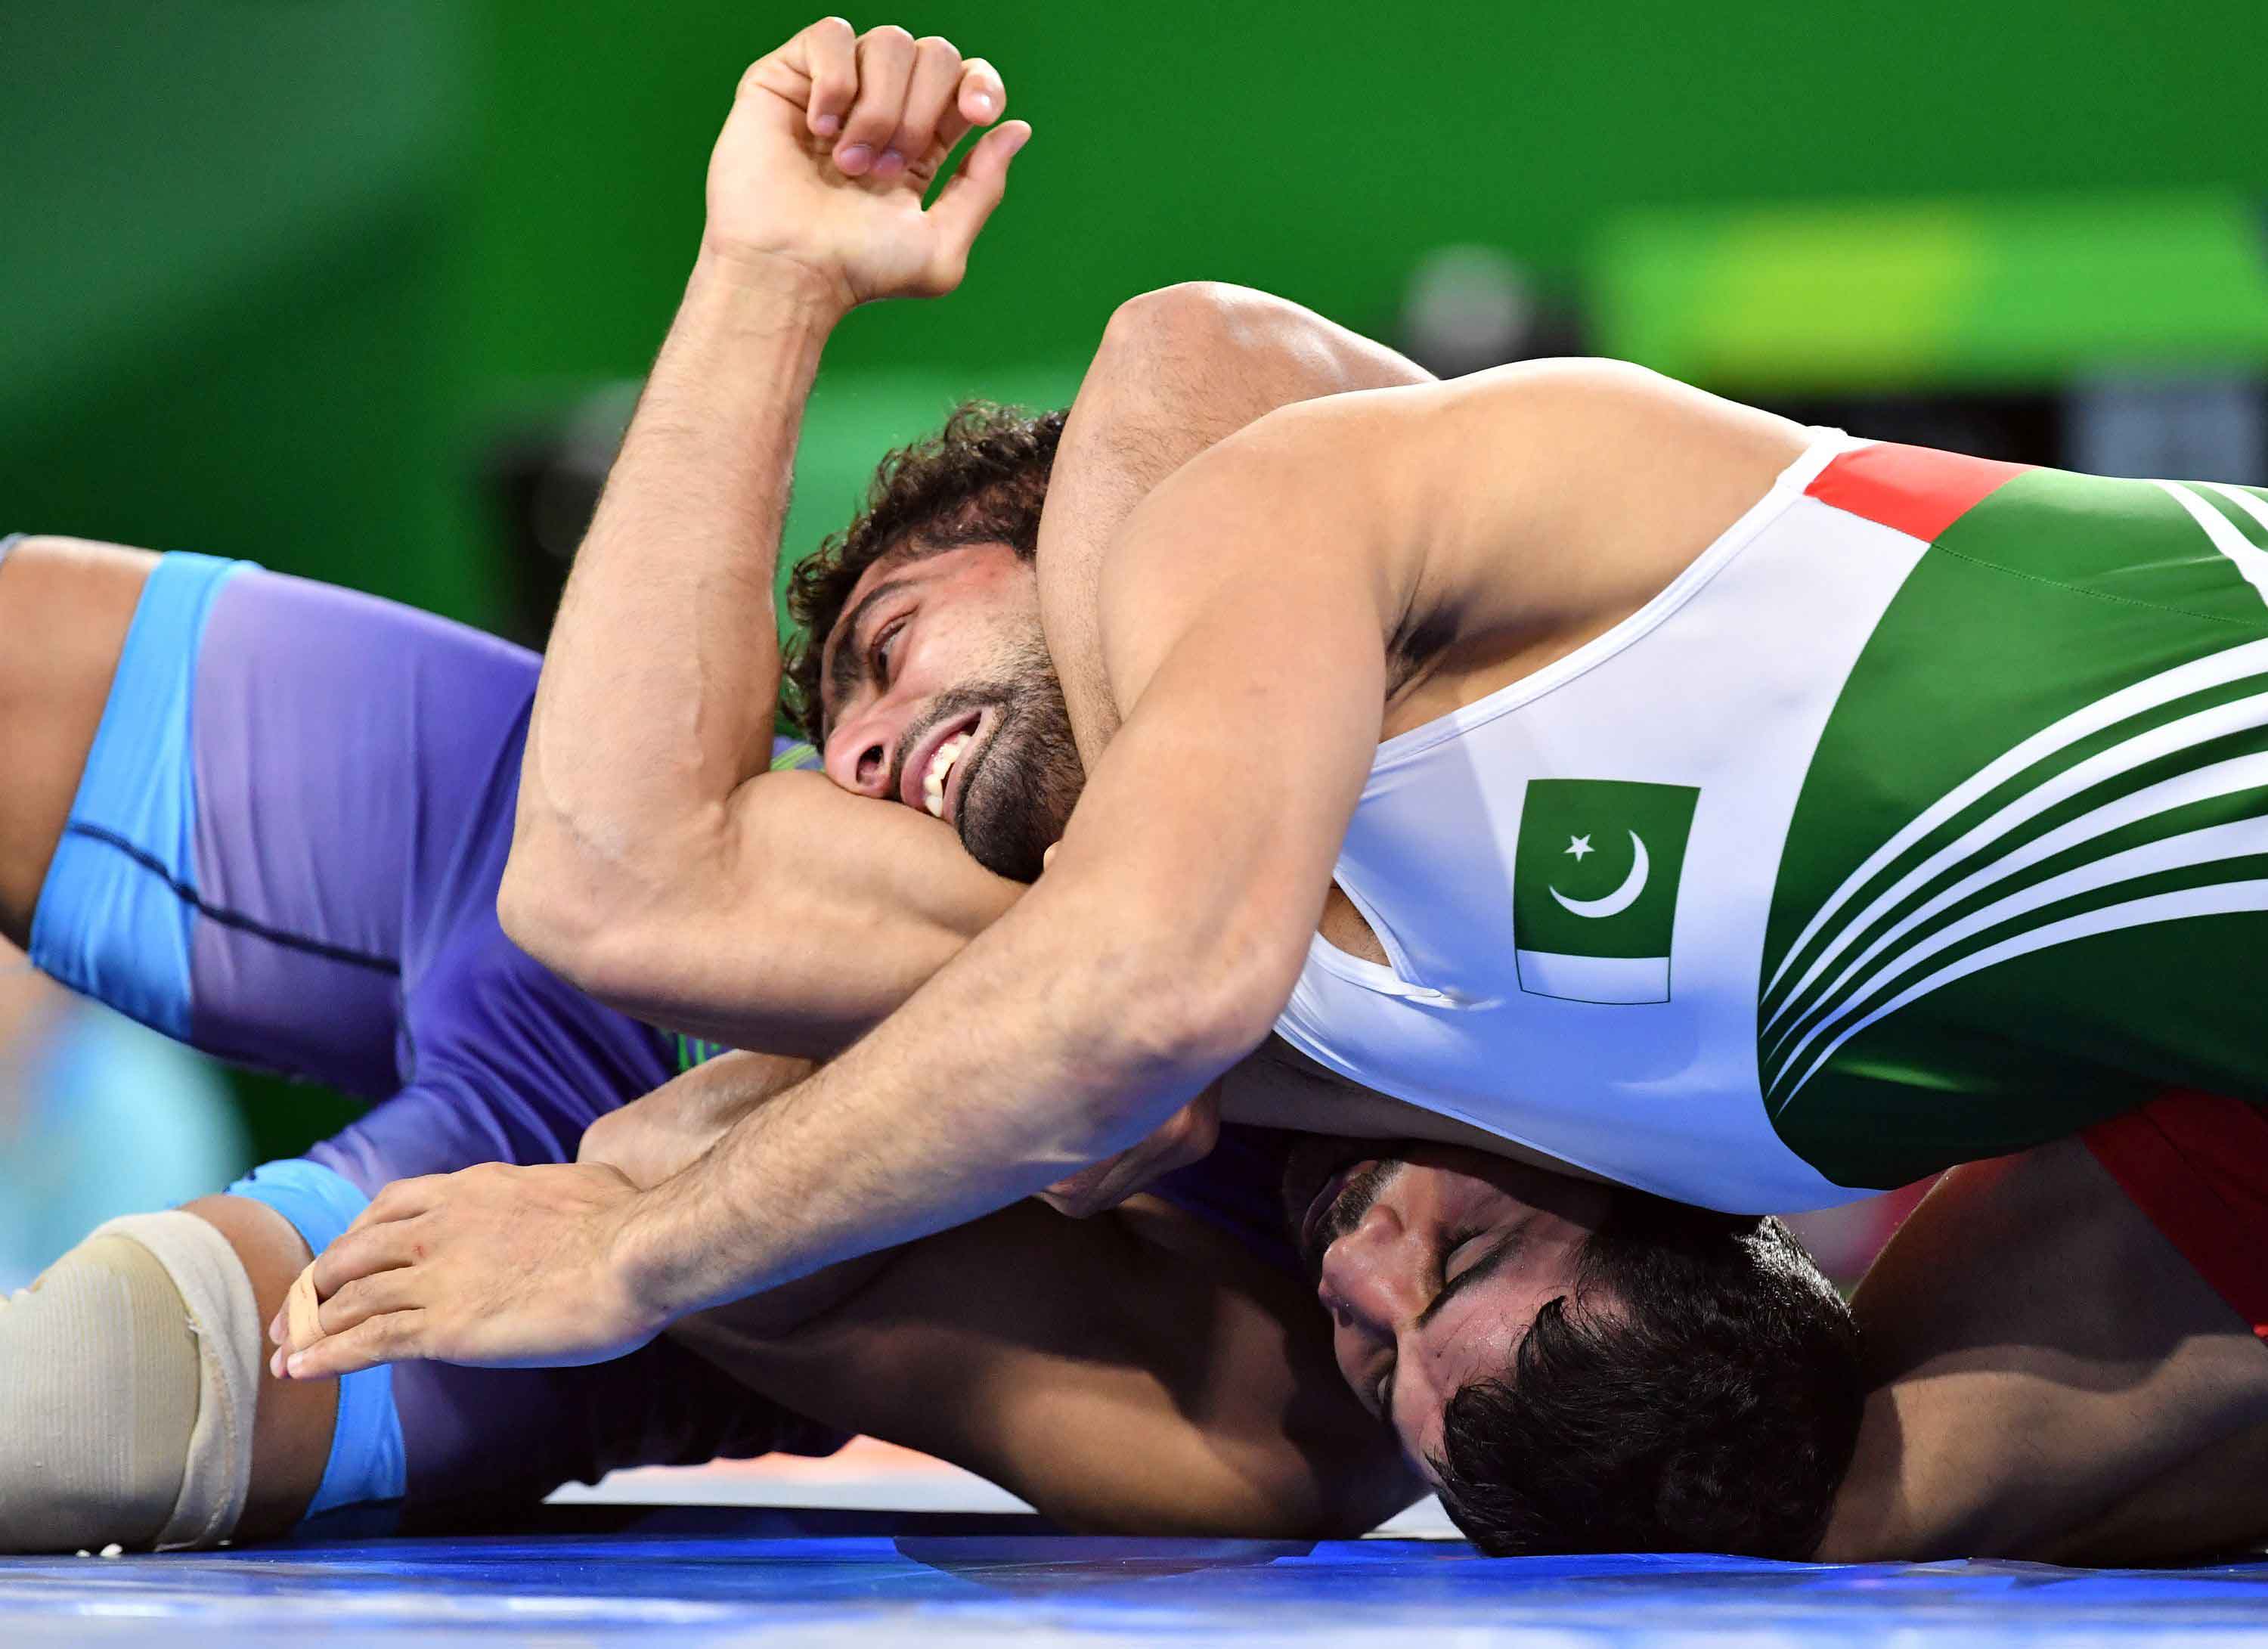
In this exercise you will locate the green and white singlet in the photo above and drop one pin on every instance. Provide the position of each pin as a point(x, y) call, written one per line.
point(1923, 818)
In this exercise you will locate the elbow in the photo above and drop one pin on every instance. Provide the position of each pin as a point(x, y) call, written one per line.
point(1178, 1014)
point(1197, 328)
point(586, 922)
point(545, 915)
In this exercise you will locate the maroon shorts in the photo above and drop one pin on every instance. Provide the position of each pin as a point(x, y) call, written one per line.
point(2197, 1165)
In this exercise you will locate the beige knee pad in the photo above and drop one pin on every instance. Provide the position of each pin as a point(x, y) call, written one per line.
point(127, 1377)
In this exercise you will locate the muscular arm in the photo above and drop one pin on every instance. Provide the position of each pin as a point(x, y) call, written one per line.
point(1139, 1373)
point(650, 843)
point(649, 840)
point(2055, 1382)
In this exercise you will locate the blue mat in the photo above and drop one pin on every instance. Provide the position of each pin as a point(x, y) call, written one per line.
point(942, 1590)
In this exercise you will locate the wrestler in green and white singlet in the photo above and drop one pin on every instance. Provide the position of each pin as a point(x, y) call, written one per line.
point(1923, 818)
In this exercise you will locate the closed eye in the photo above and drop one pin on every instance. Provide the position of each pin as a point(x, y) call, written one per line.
point(1479, 1270)
point(1471, 1259)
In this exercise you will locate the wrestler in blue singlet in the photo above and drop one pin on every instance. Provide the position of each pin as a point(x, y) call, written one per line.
point(285, 850)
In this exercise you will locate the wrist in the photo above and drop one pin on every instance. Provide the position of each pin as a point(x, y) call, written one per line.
point(801, 292)
point(666, 1277)
point(640, 1270)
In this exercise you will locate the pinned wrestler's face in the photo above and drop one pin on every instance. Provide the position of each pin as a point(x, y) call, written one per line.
point(1433, 1262)
point(937, 691)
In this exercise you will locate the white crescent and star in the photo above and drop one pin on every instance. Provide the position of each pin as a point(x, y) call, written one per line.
point(1622, 897)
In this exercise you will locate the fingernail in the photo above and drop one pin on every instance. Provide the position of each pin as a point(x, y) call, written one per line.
point(889, 164)
point(275, 1362)
point(855, 159)
point(1017, 140)
point(983, 101)
point(293, 1361)
point(827, 125)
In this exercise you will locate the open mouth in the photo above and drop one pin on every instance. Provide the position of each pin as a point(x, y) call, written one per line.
point(927, 781)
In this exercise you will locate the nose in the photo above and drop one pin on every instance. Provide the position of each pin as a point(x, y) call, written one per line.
point(1375, 1273)
point(858, 753)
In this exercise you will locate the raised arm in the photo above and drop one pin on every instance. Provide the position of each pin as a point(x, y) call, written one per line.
point(649, 840)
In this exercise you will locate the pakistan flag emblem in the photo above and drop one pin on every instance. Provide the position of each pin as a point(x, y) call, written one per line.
point(1595, 887)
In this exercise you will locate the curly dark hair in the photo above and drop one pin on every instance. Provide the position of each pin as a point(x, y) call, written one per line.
point(1699, 1392)
point(980, 480)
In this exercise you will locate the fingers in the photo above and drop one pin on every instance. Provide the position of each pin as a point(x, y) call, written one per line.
point(1187, 1137)
point(393, 1338)
point(965, 204)
point(1076, 1196)
point(980, 99)
point(829, 52)
point(403, 1199)
point(360, 1300)
point(885, 66)
point(930, 95)
point(915, 100)
point(363, 1251)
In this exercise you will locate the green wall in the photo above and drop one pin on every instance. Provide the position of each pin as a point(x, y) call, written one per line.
point(1313, 149)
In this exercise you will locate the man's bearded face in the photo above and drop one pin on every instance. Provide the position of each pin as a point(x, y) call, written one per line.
point(938, 693)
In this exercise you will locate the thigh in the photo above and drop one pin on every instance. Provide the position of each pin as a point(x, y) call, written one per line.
point(269, 805)
point(346, 748)
point(64, 610)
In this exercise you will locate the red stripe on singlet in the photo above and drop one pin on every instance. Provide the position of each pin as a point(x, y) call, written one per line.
point(1914, 489)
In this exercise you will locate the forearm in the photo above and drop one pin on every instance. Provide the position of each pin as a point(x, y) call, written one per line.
point(980, 1090)
point(657, 696)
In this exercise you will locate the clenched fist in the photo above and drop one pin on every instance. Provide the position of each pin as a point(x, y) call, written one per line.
point(832, 142)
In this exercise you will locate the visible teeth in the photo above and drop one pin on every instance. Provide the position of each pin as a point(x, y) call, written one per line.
point(940, 769)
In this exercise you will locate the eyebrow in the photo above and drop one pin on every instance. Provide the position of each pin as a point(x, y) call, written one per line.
point(848, 667)
point(1479, 1271)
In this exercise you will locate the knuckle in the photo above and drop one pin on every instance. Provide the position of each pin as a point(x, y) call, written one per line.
point(937, 46)
point(890, 37)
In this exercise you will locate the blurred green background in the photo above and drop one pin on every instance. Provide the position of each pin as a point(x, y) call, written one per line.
point(281, 275)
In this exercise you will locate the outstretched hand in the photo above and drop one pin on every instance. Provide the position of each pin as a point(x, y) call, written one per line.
point(496, 1265)
point(832, 142)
